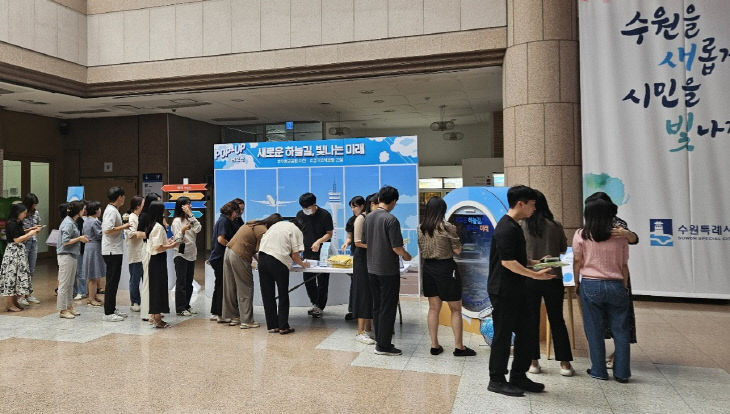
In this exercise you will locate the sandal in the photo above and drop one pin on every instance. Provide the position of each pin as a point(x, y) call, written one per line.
point(100, 291)
point(161, 325)
point(94, 303)
point(15, 309)
point(286, 331)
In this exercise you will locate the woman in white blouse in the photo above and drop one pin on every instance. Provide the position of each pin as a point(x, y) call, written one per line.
point(185, 228)
point(135, 251)
point(155, 265)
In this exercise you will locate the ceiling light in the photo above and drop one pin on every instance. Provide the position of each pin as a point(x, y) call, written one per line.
point(339, 130)
point(367, 92)
point(325, 103)
point(389, 110)
point(378, 101)
point(453, 136)
point(442, 125)
point(237, 100)
point(32, 102)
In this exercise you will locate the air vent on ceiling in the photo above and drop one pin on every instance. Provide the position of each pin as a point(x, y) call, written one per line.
point(32, 102)
point(236, 119)
point(183, 105)
point(86, 111)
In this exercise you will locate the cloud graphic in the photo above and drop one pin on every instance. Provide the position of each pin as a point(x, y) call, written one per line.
point(379, 139)
point(384, 156)
point(405, 146)
point(412, 222)
point(408, 199)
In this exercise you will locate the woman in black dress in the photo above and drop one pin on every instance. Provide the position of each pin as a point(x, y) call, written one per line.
point(156, 264)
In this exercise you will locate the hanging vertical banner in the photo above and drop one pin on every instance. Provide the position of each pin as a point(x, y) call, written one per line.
point(656, 135)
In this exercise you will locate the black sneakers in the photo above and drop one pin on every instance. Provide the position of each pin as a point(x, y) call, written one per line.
point(527, 384)
point(505, 388)
point(464, 352)
point(393, 351)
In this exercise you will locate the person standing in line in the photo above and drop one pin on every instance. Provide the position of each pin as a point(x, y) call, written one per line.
point(68, 248)
point(317, 228)
point(93, 264)
point(113, 250)
point(185, 228)
point(362, 296)
point(143, 223)
point(621, 229)
point(357, 205)
point(280, 247)
point(506, 287)
point(438, 243)
point(382, 234)
point(155, 263)
point(32, 221)
point(14, 271)
point(80, 286)
point(545, 237)
point(238, 274)
point(238, 221)
point(600, 266)
point(135, 236)
point(222, 233)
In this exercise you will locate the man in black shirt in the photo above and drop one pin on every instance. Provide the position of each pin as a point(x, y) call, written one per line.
point(317, 228)
point(506, 287)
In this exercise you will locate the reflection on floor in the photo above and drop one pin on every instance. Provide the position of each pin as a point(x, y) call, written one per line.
point(85, 365)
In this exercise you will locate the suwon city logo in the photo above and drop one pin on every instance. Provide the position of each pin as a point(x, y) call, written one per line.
point(660, 232)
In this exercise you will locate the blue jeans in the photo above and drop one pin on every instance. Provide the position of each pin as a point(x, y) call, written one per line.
point(135, 277)
point(80, 286)
point(31, 250)
point(606, 304)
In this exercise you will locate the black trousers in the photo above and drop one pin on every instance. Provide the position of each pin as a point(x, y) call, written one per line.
point(385, 290)
point(216, 307)
point(553, 292)
point(274, 275)
point(317, 288)
point(113, 273)
point(184, 272)
point(510, 315)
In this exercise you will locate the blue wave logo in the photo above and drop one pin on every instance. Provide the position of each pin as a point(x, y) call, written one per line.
point(661, 232)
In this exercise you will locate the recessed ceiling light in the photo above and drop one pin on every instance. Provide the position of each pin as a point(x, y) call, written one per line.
point(389, 110)
point(367, 92)
point(237, 100)
point(32, 102)
point(325, 103)
point(378, 101)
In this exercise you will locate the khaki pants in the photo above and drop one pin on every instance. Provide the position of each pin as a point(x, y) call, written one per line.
point(237, 288)
point(66, 274)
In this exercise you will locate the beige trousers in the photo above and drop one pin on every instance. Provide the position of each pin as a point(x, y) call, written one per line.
point(237, 288)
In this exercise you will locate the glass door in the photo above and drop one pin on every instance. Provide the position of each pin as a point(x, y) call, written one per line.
point(40, 186)
point(12, 178)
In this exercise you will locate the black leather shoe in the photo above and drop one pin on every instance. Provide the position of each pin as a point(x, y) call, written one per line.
point(622, 380)
point(527, 384)
point(505, 388)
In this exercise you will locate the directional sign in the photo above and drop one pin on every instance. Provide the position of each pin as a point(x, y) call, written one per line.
point(197, 214)
point(183, 187)
point(192, 196)
point(193, 204)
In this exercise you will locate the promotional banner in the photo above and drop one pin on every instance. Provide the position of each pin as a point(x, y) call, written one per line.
point(656, 135)
point(270, 177)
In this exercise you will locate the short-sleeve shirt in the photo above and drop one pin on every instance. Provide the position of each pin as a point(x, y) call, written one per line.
point(68, 231)
point(552, 242)
point(508, 243)
point(281, 241)
point(135, 245)
point(350, 228)
point(31, 220)
point(245, 243)
point(314, 226)
point(223, 227)
point(157, 238)
point(382, 234)
point(601, 260)
point(13, 230)
point(111, 243)
point(92, 229)
point(441, 245)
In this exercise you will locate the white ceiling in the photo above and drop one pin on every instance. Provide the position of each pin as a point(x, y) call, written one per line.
point(407, 101)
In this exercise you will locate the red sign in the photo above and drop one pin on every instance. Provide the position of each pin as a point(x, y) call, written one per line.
point(169, 188)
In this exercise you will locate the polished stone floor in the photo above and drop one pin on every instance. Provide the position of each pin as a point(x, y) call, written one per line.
point(680, 365)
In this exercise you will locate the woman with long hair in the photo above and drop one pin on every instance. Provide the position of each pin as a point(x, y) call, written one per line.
point(362, 297)
point(68, 249)
point(94, 267)
point(14, 271)
point(357, 205)
point(439, 243)
point(600, 266)
point(143, 223)
point(155, 264)
point(185, 228)
point(135, 236)
point(31, 221)
point(222, 233)
point(544, 236)
point(238, 274)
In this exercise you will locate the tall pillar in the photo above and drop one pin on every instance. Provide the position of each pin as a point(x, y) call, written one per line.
point(541, 101)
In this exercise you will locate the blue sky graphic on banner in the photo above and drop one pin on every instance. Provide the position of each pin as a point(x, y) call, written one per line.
point(270, 177)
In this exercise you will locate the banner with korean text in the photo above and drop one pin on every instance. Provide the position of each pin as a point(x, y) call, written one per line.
point(655, 108)
point(270, 177)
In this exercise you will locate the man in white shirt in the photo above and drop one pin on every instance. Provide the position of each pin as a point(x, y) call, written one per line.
point(112, 250)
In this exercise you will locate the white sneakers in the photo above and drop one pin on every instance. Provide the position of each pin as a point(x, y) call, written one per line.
point(569, 372)
point(364, 338)
point(77, 297)
point(23, 302)
point(134, 308)
point(535, 369)
point(120, 313)
point(32, 299)
point(112, 318)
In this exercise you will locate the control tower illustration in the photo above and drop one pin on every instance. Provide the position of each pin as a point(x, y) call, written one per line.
point(334, 200)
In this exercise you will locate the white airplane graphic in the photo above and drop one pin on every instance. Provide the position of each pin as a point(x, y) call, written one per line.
point(271, 202)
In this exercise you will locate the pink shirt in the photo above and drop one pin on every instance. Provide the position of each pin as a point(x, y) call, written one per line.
point(601, 260)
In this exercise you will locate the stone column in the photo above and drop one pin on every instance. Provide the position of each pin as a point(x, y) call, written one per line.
point(541, 101)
